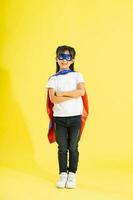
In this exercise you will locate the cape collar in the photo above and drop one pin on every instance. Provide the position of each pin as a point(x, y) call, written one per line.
point(61, 72)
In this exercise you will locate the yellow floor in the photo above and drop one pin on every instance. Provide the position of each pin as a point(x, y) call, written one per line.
point(92, 185)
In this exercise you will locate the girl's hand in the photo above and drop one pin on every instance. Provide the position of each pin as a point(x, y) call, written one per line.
point(59, 94)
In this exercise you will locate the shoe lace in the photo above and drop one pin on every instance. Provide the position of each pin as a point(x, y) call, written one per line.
point(70, 178)
point(62, 177)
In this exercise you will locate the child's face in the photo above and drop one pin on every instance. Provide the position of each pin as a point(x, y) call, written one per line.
point(64, 64)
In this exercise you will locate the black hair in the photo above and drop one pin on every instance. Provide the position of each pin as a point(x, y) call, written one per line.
point(61, 49)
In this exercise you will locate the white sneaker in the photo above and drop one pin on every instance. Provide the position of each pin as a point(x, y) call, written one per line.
point(62, 181)
point(71, 180)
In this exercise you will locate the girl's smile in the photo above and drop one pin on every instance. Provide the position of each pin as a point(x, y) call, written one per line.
point(64, 63)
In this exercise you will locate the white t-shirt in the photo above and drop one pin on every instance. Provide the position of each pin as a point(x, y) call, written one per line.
point(67, 82)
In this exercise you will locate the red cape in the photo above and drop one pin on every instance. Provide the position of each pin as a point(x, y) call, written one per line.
point(49, 106)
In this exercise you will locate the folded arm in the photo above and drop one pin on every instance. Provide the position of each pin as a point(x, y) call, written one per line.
point(80, 91)
point(56, 99)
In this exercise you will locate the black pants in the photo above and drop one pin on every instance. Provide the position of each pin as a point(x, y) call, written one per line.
point(67, 132)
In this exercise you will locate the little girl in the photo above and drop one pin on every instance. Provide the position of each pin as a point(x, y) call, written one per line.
point(65, 89)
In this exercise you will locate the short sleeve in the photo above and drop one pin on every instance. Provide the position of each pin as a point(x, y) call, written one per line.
point(51, 83)
point(80, 78)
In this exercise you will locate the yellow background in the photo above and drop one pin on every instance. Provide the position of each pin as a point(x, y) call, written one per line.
point(102, 34)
